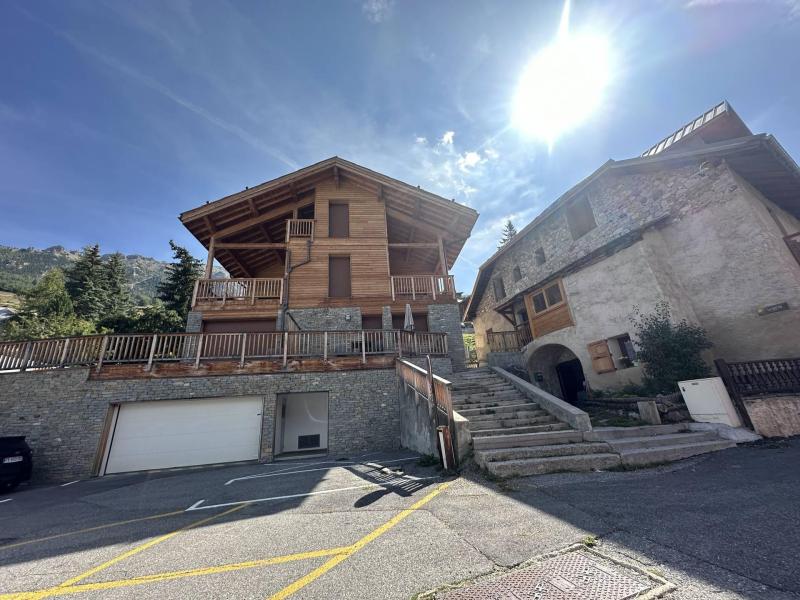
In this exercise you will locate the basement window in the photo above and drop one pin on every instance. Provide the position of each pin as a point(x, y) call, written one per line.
point(580, 217)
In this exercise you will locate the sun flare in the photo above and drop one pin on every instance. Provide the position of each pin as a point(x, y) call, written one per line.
point(562, 85)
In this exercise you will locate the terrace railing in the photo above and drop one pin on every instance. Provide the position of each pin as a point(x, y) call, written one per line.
point(423, 286)
point(509, 341)
point(197, 348)
point(299, 228)
point(247, 291)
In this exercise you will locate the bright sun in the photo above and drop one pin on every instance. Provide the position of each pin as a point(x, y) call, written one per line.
point(562, 85)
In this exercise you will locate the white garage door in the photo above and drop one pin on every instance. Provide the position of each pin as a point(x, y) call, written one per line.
point(157, 435)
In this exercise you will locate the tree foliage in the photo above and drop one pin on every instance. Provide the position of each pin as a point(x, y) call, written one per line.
point(670, 352)
point(155, 318)
point(46, 311)
point(177, 288)
point(509, 231)
point(87, 284)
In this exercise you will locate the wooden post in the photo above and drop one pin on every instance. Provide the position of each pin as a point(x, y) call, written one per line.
point(210, 260)
point(442, 257)
point(391, 279)
point(325, 346)
point(26, 356)
point(399, 343)
point(727, 378)
point(63, 357)
point(413, 290)
point(244, 348)
point(285, 348)
point(194, 292)
point(253, 285)
point(433, 286)
point(152, 352)
point(199, 351)
point(363, 348)
point(103, 347)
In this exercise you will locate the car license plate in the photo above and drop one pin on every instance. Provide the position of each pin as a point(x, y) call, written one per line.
point(12, 459)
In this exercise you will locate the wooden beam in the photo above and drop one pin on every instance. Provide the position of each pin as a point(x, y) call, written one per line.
point(442, 257)
point(409, 220)
point(336, 179)
point(238, 263)
point(252, 222)
point(250, 246)
point(210, 260)
point(381, 197)
point(414, 245)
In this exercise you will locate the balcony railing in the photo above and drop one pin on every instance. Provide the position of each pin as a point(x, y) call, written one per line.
point(509, 341)
point(247, 291)
point(198, 348)
point(423, 286)
point(299, 228)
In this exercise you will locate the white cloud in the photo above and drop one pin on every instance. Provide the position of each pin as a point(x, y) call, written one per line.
point(447, 138)
point(421, 140)
point(792, 6)
point(491, 154)
point(377, 11)
point(469, 160)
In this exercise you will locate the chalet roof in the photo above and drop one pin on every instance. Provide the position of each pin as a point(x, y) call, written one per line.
point(242, 214)
point(759, 158)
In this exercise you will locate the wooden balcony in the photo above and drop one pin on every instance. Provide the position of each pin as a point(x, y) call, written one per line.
point(222, 292)
point(420, 287)
point(299, 228)
point(509, 341)
point(188, 354)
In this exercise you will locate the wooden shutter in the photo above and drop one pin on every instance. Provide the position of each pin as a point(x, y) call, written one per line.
point(339, 276)
point(601, 357)
point(338, 220)
point(793, 241)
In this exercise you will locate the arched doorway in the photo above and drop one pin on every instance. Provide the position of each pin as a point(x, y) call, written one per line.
point(557, 370)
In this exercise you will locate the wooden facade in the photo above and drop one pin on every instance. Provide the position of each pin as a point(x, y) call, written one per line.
point(284, 250)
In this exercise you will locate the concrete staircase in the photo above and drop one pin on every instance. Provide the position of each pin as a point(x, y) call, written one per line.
point(513, 436)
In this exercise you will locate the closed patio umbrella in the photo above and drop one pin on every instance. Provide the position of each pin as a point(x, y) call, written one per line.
point(408, 323)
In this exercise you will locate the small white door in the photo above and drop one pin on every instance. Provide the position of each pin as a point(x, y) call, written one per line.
point(180, 433)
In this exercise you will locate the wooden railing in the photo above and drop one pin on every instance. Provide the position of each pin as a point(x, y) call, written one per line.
point(435, 390)
point(423, 286)
point(149, 349)
point(299, 228)
point(761, 377)
point(509, 341)
point(238, 290)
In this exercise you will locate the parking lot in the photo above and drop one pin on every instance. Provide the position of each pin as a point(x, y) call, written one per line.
point(382, 526)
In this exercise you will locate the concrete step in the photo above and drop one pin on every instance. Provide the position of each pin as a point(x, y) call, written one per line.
point(504, 454)
point(489, 387)
point(667, 439)
point(520, 440)
point(508, 431)
point(486, 408)
point(475, 426)
point(487, 396)
point(553, 464)
point(649, 456)
point(510, 414)
point(610, 433)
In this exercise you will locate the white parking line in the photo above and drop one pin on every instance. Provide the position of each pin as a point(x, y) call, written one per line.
point(6, 500)
point(288, 471)
point(70, 483)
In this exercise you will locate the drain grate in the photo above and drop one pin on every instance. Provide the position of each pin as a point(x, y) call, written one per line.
point(571, 576)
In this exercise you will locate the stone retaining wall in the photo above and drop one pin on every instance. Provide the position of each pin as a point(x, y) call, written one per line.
point(775, 416)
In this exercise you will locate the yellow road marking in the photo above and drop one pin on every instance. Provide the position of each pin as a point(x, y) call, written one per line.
point(297, 585)
point(88, 529)
point(143, 547)
point(171, 575)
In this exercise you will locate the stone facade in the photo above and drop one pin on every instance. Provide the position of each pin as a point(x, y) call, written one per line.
point(775, 416)
point(698, 236)
point(320, 319)
point(447, 318)
point(194, 322)
point(63, 412)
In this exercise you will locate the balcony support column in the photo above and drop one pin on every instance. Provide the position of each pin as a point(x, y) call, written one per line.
point(210, 260)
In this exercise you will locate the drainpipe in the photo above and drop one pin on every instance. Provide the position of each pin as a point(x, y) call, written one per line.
point(283, 310)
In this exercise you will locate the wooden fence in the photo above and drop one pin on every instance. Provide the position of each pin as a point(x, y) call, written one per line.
point(423, 286)
point(148, 349)
point(509, 341)
point(238, 290)
point(436, 391)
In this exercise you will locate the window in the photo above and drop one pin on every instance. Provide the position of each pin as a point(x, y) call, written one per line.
point(420, 321)
point(580, 217)
point(547, 297)
point(499, 288)
point(339, 276)
point(625, 353)
point(371, 322)
point(338, 220)
point(517, 274)
point(539, 257)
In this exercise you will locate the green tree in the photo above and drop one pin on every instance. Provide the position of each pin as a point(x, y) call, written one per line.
point(155, 318)
point(46, 311)
point(87, 285)
point(669, 352)
point(509, 231)
point(118, 293)
point(177, 288)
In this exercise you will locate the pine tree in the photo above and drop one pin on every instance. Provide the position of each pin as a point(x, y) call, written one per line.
point(46, 311)
point(87, 284)
point(509, 231)
point(117, 287)
point(176, 290)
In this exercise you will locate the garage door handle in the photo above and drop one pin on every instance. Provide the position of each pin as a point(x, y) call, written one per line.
point(258, 414)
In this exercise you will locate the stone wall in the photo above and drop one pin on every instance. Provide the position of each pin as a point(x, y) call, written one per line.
point(63, 412)
point(194, 322)
point(447, 318)
point(320, 319)
point(774, 416)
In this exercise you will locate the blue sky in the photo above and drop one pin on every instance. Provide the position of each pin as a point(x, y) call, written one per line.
point(117, 116)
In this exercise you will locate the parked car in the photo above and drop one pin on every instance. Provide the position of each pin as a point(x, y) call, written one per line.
point(16, 464)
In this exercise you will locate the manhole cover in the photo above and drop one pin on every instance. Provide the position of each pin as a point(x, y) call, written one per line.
point(571, 576)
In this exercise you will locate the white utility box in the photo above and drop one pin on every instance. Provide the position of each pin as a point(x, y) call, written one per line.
point(708, 401)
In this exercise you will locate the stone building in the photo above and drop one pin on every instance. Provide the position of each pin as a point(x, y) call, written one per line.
point(708, 219)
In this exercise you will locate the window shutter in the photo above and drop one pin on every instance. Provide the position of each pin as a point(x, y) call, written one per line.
point(601, 357)
point(339, 276)
point(338, 220)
